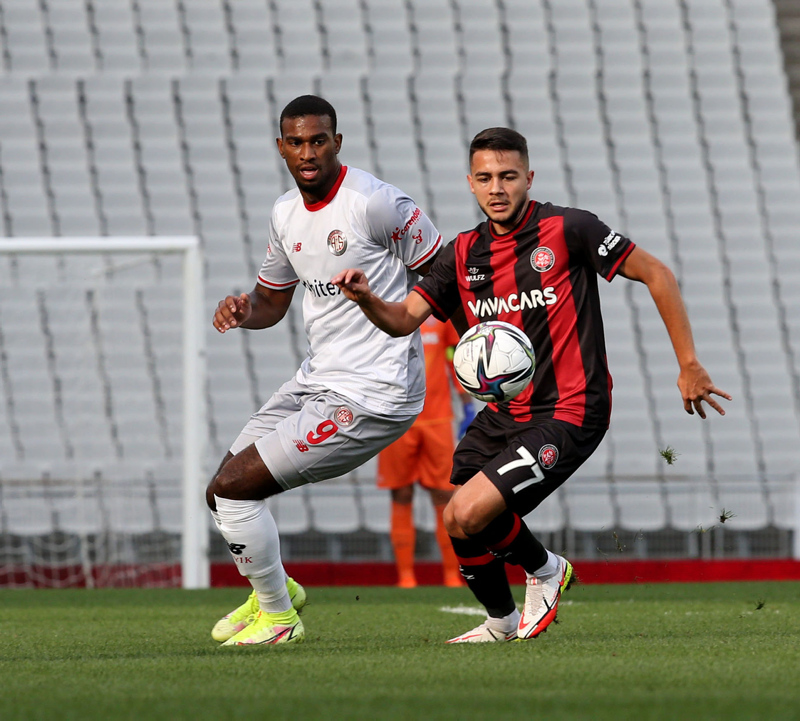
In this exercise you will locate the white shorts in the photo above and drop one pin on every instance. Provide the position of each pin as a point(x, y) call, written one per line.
point(306, 436)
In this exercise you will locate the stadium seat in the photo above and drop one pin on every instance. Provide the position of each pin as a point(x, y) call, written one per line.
point(589, 505)
point(549, 516)
point(641, 505)
point(291, 512)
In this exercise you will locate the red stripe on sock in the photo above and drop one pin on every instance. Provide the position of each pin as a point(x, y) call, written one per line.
point(483, 560)
point(509, 539)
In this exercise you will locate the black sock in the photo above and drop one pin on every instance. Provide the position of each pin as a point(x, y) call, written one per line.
point(485, 575)
point(508, 538)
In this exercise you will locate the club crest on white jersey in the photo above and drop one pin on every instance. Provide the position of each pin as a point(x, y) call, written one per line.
point(337, 242)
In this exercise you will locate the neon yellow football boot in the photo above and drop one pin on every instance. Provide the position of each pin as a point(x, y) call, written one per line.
point(270, 629)
point(245, 614)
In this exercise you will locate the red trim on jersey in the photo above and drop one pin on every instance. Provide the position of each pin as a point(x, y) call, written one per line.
point(320, 204)
point(562, 319)
point(509, 539)
point(439, 312)
point(277, 286)
point(503, 255)
point(427, 255)
point(463, 244)
point(483, 560)
point(525, 218)
point(621, 260)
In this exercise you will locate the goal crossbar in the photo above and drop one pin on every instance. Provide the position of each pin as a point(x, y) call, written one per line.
point(194, 533)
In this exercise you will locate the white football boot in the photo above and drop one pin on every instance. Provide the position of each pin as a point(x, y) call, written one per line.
point(492, 630)
point(541, 601)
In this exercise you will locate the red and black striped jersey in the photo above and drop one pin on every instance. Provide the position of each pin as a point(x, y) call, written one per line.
point(542, 278)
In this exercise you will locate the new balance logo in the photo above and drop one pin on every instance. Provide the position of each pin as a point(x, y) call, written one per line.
point(236, 548)
point(297, 247)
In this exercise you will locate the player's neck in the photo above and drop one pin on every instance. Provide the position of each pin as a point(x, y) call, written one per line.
point(320, 196)
point(512, 223)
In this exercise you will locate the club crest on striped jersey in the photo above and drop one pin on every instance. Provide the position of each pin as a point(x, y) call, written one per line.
point(543, 259)
point(548, 455)
point(344, 416)
point(337, 242)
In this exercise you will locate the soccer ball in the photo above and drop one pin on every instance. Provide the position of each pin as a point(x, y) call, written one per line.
point(494, 361)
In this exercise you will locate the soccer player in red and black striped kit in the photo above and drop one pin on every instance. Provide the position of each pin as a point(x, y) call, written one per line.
point(534, 265)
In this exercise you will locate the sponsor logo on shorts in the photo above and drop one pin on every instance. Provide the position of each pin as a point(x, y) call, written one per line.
point(344, 416)
point(236, 548)
point(543, 259)
point(337, 242)
point(548, 455)
point(301, 446)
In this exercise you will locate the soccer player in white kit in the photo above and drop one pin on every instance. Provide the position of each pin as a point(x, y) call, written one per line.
point(357, 390)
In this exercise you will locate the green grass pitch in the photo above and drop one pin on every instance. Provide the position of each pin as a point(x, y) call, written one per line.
point(726, 651)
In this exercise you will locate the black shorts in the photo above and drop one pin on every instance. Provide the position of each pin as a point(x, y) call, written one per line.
point(526, 461)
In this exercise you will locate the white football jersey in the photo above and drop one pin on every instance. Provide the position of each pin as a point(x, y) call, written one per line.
point(362, 223)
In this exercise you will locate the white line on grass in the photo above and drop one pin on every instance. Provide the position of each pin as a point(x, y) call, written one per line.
point(464, 610)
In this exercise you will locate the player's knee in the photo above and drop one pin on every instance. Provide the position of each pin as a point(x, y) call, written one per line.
point(468, 514)
point(211, 489)
point(449, 520)
point(223, 482)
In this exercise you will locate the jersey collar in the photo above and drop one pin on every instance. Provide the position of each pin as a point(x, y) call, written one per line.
point(320, 204)
point(525, 219)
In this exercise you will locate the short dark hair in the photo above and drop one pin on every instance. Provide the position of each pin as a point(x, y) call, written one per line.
point(499, 139)
point(308, 105)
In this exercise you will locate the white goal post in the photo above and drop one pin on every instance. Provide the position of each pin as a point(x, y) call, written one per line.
point(194, 514)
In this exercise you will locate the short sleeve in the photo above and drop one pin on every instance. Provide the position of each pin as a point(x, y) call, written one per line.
point(604, 249)
point(276, 271)
point(440, 287)
point(394, 220)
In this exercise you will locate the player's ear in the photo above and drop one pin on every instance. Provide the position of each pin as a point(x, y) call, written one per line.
point(471, 186)
point(337, 142)
point(530, 179)
point(279, 143)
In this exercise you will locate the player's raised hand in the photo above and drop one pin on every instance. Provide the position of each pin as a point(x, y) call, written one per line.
point(232, 312)
point(696, 386)
point(353, 283)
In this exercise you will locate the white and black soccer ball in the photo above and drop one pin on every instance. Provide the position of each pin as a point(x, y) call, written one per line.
point(494, 361)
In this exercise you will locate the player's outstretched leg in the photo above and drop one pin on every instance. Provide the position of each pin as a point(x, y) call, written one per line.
point(230, 624)
point(252, 536)
point(542, 594)
point(486, 577)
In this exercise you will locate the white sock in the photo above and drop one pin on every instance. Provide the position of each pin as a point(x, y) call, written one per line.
point(252, 536)
point(505, 624)
point(550, 569)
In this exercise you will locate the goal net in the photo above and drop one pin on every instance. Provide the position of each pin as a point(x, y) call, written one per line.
point(102, 416)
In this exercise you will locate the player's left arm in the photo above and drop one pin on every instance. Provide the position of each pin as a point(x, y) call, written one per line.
point(395, 319)
point(694, 382)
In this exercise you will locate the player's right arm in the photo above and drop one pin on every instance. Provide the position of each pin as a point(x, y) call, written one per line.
point(261, 308)
point(395, 319)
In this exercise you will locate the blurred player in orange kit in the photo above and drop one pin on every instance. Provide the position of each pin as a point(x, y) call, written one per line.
point(425, 454)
